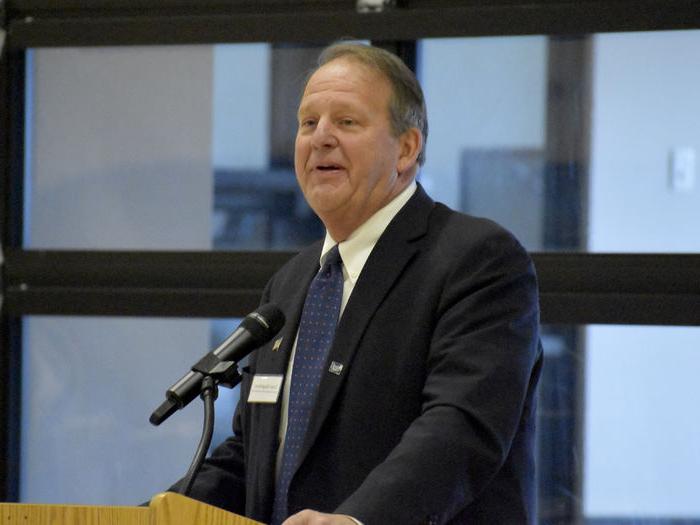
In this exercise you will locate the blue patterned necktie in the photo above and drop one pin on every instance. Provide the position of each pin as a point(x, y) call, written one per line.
point(316, 330)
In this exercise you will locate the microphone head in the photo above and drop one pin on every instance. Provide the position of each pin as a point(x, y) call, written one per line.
point(163, 412)
point(264, 322)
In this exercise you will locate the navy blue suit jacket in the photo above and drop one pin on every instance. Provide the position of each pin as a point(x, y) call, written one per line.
point(431, 419)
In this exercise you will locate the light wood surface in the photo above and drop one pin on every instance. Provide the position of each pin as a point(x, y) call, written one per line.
point(165, 509)
point(173, 509)
point(31, 514)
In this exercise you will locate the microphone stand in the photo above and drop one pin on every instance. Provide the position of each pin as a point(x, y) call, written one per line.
point(216, 372)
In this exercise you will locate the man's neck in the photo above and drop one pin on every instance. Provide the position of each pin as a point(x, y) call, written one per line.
point(340, 228)
point(380, 217)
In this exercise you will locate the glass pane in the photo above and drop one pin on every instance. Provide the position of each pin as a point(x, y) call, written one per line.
point(120, 148)
point(618, 440)
point(583, 144)
point(487, 114)
point(644, 195)
point(641, 434)
point(89, 387)
point(165, 147)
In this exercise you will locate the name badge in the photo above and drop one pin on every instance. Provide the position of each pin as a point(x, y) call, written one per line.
point(265, 389)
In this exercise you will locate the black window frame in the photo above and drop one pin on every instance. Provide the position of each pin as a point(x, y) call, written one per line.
point(576, 288)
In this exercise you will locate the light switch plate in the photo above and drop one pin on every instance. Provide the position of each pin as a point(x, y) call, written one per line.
point(682, 169)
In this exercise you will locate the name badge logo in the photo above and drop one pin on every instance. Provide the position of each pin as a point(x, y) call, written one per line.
point(335, 368)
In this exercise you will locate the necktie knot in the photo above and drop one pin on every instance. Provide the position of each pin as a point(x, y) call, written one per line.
point(333, 262)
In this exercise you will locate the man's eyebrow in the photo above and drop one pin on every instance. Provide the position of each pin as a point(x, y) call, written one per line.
point(303, 107)
point(335, 106)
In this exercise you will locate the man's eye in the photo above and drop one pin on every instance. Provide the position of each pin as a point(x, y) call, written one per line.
point(307, 123)
point(347, 122)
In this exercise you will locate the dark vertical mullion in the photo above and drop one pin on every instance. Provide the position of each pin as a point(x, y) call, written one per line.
point(13, 99)
point(567, 142)
point(404, 49)
point(12, 75)
point(566, 180)
point(10, 413)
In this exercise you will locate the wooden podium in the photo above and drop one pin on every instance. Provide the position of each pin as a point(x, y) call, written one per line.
point(167, 508)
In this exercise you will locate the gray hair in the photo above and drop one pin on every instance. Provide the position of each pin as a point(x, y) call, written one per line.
point(407, 105)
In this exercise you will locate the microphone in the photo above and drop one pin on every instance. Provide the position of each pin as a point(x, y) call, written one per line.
point(254, 331)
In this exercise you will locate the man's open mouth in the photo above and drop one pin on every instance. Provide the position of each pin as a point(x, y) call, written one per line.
point(329, 167)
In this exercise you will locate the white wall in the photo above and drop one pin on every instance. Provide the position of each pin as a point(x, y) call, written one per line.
point(241, 101)
point(645, 102)
point(642, 442)
point(120, 158)
point(642, 433)
point(121, 148)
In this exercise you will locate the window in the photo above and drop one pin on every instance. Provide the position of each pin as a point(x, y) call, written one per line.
point(576, 143)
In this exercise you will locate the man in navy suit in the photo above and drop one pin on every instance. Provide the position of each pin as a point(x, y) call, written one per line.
point(426, 405)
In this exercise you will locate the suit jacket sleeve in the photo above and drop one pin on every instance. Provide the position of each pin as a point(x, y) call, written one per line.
point(481, 358)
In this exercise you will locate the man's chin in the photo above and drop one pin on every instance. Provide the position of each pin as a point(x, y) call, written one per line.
point(326, 199)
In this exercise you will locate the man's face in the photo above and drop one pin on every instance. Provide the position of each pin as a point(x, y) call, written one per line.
point(347, 159)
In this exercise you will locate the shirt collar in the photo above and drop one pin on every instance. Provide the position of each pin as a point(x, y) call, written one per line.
point(356, 248)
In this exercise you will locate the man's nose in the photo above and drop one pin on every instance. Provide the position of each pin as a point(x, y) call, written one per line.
point(324, 135)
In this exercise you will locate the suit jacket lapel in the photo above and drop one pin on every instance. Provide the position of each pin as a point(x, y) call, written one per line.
point(391, 254)
point(290, 299)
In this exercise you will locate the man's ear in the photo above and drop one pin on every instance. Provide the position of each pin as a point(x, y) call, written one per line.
point(410, 146)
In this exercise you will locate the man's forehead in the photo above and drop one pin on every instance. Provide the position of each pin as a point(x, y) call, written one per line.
point(343, 76)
